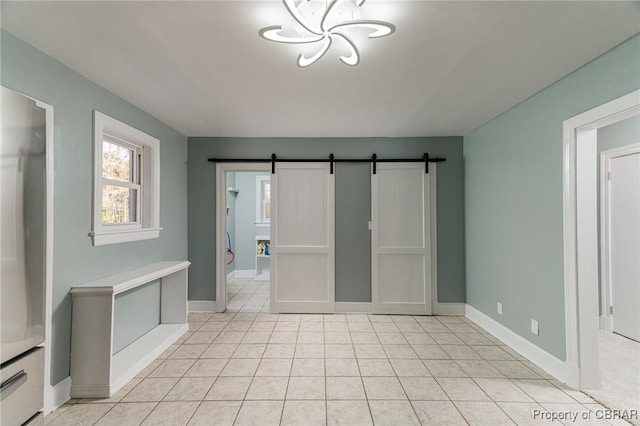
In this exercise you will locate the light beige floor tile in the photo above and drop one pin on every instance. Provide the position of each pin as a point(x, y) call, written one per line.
point(171, 413)
point(194, 325)
point(360, 327)
point(342, 367)
point(474, 339)
point(446, 338)
point(409, 368)
point(460, 328)
point(218, 413)
point(127, 413)
point(376, 367)
point(308, 367)
point(230, 337)
point(220, 350)
point(542, 391)
point(394, 338)
point(312, 318)
point(335, 337)
point(310, 337)
point(169, 350)
point(492, 353)
point(190, 389)
point(419, 339)
point(515, 370)
point(283, 337)
point(369, 351)
point(430, 352)
point(229, 389)
point(383, 388)
point(444, 368)
point(348, 413)
point(249, 350)
point(423, 388)
point(202, 337)
point(440, 413)
point(199, 316)
point(461, 352)
point(460, 389)
point(274, 367)
point(379, 318)
point(344, 388)
point(240, 367)
point(279, 350)
point(150, 390)
point(336, 327)
point(260, 413)
point(117, 397)
point(393, 413)
point(81, 414)
point(384, 327)
point(206, 367)
point(477, 368)
point(304, 413)
point(482, 413)
point(238, 326)
point(365, 338)
point(257, 337)
point(309, 351)
point(172, 368)
point(286, 326)
point(407, 327)
point(262, 326)
point(503, 390)
point(399, 351)
point(268, 388)
point(306, 388)
point(525, 413)
point(434, 327)
point(311, 326)
point(149, 368)
point(339, 351)
point(290, 317)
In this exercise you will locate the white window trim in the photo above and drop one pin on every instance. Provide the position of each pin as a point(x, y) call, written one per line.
point(259, 219)
point(149, 215)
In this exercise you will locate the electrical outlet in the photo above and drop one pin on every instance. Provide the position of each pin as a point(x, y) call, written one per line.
point(534, 327)
point(499, 308)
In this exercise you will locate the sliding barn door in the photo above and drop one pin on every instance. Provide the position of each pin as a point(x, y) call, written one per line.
point(401, 239)
point(302, 238)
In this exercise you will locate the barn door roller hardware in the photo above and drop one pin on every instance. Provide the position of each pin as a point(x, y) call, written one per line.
point(374, 160)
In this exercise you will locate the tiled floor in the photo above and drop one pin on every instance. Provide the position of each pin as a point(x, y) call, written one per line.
point(248, 367)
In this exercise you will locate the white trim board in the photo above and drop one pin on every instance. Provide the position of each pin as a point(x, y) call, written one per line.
point(204, 306)
point(352, 307)
point(245, 273)
point(543, 359)
point(439, 308)
point(579, 228)
point(56, 395)
point(231, 275)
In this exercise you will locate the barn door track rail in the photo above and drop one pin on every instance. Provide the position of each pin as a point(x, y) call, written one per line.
point(374, 159)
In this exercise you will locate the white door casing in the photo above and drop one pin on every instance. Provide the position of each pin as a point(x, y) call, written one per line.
point(401, 239)
point(302, 238)
point(622, 198)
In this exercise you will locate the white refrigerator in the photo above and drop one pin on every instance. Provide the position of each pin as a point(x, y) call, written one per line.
point(22, 258)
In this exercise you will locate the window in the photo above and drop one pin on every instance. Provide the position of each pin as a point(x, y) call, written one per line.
point(126, 183)
point(263, 200)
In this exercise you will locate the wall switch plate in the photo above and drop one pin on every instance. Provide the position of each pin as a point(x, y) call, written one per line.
point(534, 327)
point(499, 308)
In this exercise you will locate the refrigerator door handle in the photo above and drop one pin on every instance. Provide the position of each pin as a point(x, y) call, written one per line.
point(12, 383)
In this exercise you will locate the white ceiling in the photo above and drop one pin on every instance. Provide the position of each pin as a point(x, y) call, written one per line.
point(201, 68)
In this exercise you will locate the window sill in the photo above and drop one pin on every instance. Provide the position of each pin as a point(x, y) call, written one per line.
point(115, 237)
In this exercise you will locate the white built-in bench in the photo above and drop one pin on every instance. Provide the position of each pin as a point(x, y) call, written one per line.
point(96, 372)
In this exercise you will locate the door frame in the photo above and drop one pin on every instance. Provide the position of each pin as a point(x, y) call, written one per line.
point(431, 291)
point(605, 247)
point(579, 202)
point(221, 224)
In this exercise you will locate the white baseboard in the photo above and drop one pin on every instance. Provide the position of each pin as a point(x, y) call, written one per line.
point(438, 308)
point(352, 307)
point(56, 395)
point(605, 323)
point(245, 273)
point(231, 275)
point(543, 359)
point(203, 306)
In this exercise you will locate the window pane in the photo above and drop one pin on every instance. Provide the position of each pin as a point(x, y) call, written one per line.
point(266, 196)
point(119, 204)
point(117, 162)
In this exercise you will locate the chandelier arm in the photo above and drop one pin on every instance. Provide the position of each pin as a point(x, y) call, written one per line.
point(272, 33)
point(305, 62)
point(360, 2)
point(297, 16)
point(381, 28)
point(354, 58)
point(327, 12)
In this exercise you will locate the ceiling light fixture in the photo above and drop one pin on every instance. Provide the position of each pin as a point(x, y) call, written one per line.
point(323, 22)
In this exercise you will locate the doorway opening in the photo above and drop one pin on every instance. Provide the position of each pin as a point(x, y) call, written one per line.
point(583, 308)
point(243, 247)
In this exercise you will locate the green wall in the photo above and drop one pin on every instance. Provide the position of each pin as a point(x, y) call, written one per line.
point(353, 265)
point(513, 198)
point(246, 228)
point(75, 260)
